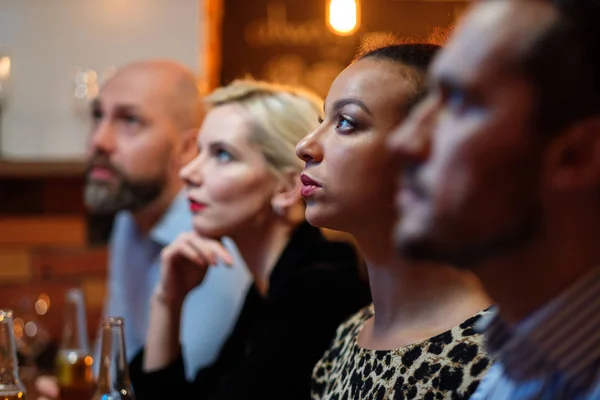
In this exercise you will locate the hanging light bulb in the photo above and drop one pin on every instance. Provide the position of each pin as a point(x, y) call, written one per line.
point(4, 67)
point(343, 16)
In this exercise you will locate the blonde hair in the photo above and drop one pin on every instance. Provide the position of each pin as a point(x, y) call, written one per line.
point(282, 115)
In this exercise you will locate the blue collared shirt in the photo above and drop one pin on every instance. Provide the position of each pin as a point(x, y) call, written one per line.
point(210, 310)
point(552, 355)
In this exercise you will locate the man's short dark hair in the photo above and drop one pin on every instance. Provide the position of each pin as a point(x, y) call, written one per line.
point(564, 66)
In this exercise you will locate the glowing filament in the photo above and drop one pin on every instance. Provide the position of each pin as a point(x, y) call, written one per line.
point(343, 16)
point(4, 67)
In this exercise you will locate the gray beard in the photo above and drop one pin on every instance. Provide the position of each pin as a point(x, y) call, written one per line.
point(101, 198)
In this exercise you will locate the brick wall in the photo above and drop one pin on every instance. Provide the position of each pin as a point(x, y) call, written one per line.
point(48, 244)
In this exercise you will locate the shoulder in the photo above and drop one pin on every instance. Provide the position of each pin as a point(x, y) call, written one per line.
point(324, 288)
point(346, 334)
point(122, 223)
point(122, 238)
point(350, 328)
point(463, 347)
point(462, 336)
point(318, 276)
point(449, 364)
point(468, 333)
point(330, 260)
point(331, 272)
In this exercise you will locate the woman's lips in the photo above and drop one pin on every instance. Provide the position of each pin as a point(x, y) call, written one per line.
point(309, 186)
point(196, 207)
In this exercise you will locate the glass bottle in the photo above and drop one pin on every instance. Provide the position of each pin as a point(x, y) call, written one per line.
point(73, 362)
point(11, 387)
point(113, 380)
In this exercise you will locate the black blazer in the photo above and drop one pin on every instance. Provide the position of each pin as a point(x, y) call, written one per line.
point(277, 339)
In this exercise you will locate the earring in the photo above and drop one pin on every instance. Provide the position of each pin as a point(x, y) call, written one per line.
point(278, 210)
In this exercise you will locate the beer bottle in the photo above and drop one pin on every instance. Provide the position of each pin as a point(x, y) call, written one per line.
point(113, 380)
point(11, 387)
point(73, 362)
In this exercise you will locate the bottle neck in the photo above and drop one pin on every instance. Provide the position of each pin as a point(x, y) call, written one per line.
point(9, 366)
point(75, 330)
point(114, 371)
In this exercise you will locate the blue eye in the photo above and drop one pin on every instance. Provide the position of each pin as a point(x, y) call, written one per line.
point(223, 155)
point(345, 124)
point(132, 120)
point(456, 100)
point(460, 103)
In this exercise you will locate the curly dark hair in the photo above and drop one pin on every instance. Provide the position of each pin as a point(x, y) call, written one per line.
point(415, 57)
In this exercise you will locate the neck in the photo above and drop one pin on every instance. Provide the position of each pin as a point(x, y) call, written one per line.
point(261, 247)
point(415, 296)
point(149, 215)
point(525, 280)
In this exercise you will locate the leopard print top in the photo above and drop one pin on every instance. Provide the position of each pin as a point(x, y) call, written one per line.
point(447, 366)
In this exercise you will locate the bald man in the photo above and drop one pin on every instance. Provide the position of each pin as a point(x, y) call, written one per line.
point(145, 122)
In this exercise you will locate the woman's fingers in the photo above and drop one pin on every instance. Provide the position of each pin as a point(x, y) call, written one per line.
point(47, 386)
point(191, 252)
point(212, 249)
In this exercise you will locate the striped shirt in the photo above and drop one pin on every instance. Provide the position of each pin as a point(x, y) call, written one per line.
point(554, 354)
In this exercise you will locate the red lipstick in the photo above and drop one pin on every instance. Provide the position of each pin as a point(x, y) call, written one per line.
point(196, 207)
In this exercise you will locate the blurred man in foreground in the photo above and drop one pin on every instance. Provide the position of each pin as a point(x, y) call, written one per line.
point(504, 179)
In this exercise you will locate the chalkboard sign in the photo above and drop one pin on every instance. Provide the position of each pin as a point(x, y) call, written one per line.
point(289, 41)
point(286, 42)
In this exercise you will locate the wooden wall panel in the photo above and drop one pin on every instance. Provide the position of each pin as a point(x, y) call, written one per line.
point(42, 231)
point(15, 266)
point(69, 263)
point(210, 21)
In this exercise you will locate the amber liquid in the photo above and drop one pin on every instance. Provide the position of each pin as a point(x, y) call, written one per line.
point(74, 375)
point(12, 396)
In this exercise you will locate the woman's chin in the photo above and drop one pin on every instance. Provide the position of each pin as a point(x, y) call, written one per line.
point(319, 218)
point(210, 231)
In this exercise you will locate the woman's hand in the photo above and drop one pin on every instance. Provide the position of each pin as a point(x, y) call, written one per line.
point(185, 263)
point(47, 388)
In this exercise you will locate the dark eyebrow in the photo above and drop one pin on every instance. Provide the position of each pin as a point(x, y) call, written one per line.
point(213, 146)
point(96, 104)
point(122, 109)
point(449, 82)
point(216, 144)
point(469, 89)
point(127, 109)
point(344, 102)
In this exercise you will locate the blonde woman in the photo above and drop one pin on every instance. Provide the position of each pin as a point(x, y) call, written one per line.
point(245, 184)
